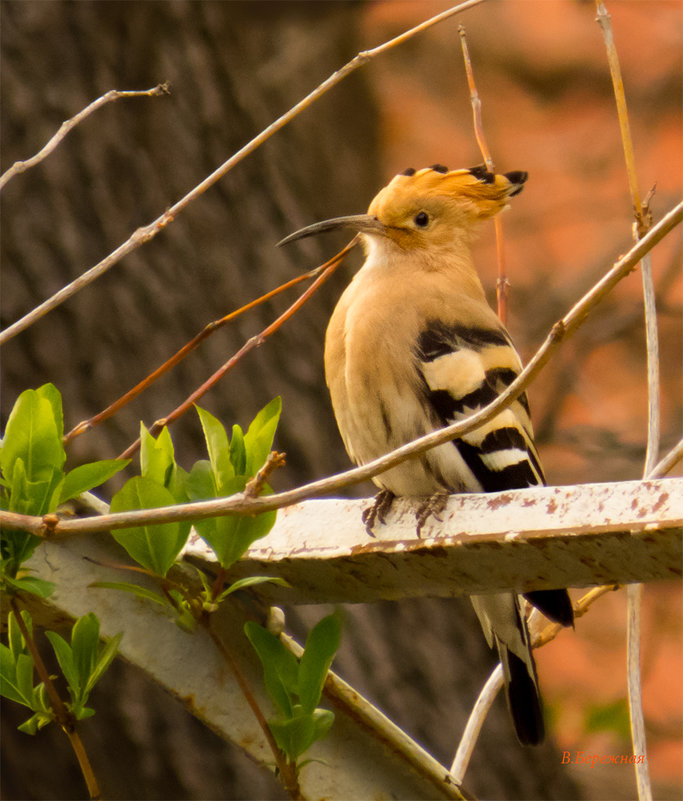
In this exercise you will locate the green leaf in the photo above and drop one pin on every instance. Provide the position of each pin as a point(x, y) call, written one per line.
point(201, 482)
point(177, 484)
point(24, 677)
point(153, 546)
point(85, 642)
point(321, 646)
point(251, 581)
point(323, 720)
point(19, 496)
point(249, 529)
point(259, 437)
point(157, 456)
point(280, 666)
point(86, 476)
point(16, 547)
point(15, 638)
point(217, 447)
point(36, 586)
point(10, 686)
point(40, 700)
point(32, 434)
point(238, 454)
point(65, 658)
point(293, 735)
point(34, 723)
point(228, 536)
point(83, 712)
point(83, 662)
point(33, 497)
point(218, 534)
point(54, 397)
point(104, 659)
point(136, 589)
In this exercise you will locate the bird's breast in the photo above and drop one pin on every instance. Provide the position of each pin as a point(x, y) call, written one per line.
point(371, 372)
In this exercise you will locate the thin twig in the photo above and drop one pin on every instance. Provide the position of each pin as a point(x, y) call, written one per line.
point(475, 101)
point(70, 124)
point(672, 458)
point(177, 357)
point(604, 21)
point(256, 341)
point(238, 504)
point(286, 771)
point(474, 723)
point(255, 485)
point(653, 380)
point(63, 717)
point(634, 596)
point(642, 223)
point(502, 283)
point(148, 232)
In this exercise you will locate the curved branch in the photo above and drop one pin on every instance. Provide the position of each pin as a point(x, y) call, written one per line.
point(72, 122)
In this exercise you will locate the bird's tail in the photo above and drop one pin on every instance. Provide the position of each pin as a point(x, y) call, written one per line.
point(504, 624)
point(523, 696)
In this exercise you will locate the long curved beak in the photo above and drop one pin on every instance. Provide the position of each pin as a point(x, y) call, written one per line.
point(363, 223)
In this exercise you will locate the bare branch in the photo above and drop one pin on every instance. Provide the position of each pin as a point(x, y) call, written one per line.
point(672, 458)
point(255, 485)
point(603, 20)
point(148, 232)
point(328, 268)
point(642, 223)
point(70, 124)
point(179, 355)
point(652, 343)
point(475, 101)
point(502, 283)
point(474, 723)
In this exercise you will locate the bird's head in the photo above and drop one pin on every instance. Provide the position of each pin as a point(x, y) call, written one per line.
point(429, 208)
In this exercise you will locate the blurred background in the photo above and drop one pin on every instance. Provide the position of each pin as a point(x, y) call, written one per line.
point(548, 108)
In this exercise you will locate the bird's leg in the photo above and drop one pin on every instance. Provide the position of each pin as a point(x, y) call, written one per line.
point(378, 511)
point(433, 506)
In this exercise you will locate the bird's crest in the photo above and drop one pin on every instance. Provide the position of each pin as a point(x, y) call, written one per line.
point(483, 193)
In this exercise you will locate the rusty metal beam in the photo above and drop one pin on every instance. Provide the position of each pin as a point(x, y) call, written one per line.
point(532, 539)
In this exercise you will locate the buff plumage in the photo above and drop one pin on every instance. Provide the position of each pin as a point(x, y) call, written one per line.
point(413, 345)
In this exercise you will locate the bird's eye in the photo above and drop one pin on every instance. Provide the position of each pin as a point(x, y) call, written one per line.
point(421, 219)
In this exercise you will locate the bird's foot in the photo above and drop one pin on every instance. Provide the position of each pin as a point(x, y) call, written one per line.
point(378, 511)
point(432, 507)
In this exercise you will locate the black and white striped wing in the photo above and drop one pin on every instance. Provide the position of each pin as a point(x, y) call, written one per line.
point(463, 370)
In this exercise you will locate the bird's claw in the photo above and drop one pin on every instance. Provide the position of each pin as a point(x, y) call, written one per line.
point(432, 507)
point(378, 511)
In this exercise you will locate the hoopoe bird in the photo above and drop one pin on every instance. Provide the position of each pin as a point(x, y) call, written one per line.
point(412, 346)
